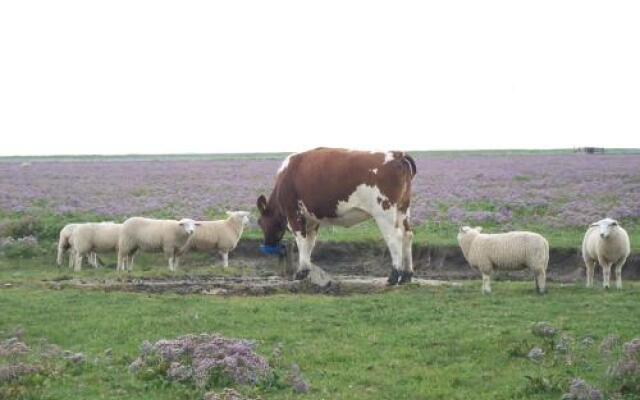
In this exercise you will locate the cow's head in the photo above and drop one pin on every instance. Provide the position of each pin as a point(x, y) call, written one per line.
point(271, 222)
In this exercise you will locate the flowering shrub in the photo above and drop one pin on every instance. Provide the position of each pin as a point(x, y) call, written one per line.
point(23, 247)
point(626, 372)
point(206, 360)
point(19, 362)
point(581, 390)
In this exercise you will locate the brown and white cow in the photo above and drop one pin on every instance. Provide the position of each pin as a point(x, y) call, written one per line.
point(326, 186)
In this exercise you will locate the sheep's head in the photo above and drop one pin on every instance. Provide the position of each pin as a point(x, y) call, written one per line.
point(273, 225)
point(467, 230)
point(240, 216)
point(606, 226)
point(189, 225)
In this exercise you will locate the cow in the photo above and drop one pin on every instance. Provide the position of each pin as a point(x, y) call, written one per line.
point(329, 187)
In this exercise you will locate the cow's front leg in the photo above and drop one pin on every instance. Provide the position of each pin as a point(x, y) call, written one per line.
point(305, 243)
point(393, 236)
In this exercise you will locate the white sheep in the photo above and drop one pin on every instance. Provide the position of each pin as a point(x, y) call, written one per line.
point(92, 238)
point(606, 243)
point(505, 251)
point(64, 244)
point(221, 236)
point(168, 236)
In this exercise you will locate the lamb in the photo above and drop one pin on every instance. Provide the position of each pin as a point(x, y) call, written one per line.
point(606, 243)
point(222, 235)
point(505, 251)
point(64, 244)
point(92, 238)
point(148, 234)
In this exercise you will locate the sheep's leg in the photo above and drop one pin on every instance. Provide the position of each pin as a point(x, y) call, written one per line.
point(393, 236)
point(176, 262)
point(618, 268)
point(121, 261)
point(486, 283)
point(541, 280)
point(606, 274)
point(407, 239)
point(590, 266)
point(77, 262)
point(72, 257)
point(93, 259)
point(225, 258)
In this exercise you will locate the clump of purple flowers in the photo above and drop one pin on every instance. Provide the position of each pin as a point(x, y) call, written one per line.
point(24, 246)
point(626, 371)
point(203, 359)
point(544, 330)
point(581, 390)
point(227, 394)
point(536, 354)
point(609, 343)
point(296, 380)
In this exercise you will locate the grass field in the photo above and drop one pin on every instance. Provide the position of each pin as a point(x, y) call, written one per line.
point(422, 343)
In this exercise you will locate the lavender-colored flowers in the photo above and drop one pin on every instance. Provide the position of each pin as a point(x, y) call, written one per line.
point(627, 370)
point(203, 359)
point(554, 190)
point(544, 330)
point(536, 354)
point(581, 390)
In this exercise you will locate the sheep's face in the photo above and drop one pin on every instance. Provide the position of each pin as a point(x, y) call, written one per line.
point(189, 225)
point(606, 226)
point(273, 226)
point(467, 230)
point(240, 215)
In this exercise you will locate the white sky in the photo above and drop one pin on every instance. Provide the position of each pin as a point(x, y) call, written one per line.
point(113, 77)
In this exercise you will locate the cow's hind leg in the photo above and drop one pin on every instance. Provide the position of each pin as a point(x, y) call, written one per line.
point(393, 236)
point(407, 239)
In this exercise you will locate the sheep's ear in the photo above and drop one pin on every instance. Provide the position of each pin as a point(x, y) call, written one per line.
point(262, 204)
point(595, 224)
point(614, 223)
point(464, 229)
point(478, 228)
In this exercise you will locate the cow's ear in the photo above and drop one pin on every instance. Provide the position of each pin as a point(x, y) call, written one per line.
point(262, 204)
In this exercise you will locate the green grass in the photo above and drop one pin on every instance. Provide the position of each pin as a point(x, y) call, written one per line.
point(427, 343)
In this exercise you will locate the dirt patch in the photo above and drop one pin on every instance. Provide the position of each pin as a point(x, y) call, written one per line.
point(239, 286)
point(448, 263)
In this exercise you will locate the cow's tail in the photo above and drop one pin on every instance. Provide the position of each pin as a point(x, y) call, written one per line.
point(411, 164)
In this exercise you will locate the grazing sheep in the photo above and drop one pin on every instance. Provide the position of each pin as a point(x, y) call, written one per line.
point(64, 244)
point(505, 251)
point(222, 235)
point(147, 234)
point(92, 238)
point(606, 243)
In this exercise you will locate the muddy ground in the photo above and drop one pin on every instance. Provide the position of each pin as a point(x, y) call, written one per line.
point(351, 267)
point(446, 263)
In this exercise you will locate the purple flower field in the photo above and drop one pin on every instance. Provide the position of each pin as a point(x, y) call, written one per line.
point(552, 190)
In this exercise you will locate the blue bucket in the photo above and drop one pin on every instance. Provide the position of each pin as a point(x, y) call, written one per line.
point(276, 250)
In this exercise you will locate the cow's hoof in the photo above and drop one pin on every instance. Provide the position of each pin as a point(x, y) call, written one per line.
point(302, 274)
point(405, 277)
point(393, 277)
